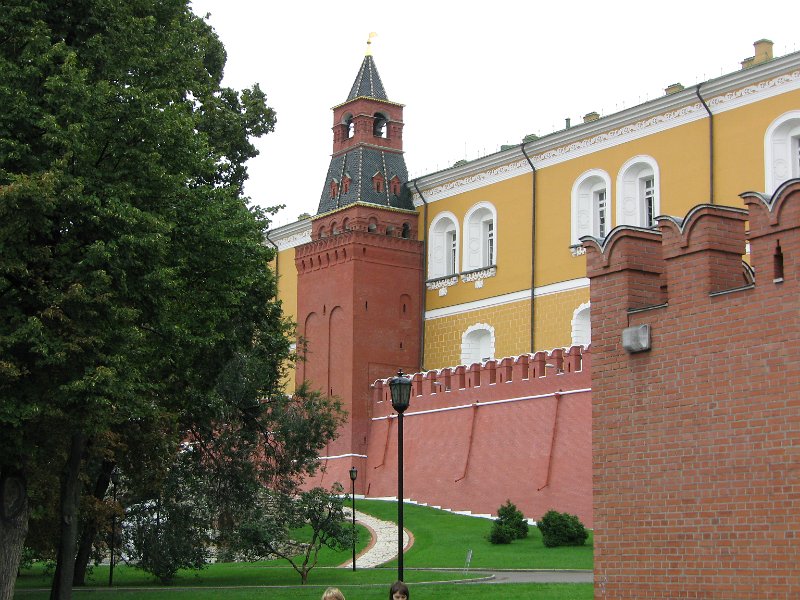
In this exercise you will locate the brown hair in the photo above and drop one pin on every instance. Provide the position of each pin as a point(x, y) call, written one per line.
point(399, 586)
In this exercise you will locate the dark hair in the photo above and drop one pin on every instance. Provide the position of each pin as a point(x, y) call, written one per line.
point(399, 586)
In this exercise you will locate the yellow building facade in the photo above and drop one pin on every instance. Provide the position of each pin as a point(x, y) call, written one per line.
point(504, 272)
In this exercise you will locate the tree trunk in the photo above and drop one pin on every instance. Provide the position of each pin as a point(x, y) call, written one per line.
point(13, 528)
point(91, 526)
point(70, 500)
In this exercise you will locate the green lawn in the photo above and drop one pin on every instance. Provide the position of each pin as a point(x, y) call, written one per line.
point(543, 591)
point(441, 540)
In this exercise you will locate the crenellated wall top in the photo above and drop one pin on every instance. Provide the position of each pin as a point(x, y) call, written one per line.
point(507, 379)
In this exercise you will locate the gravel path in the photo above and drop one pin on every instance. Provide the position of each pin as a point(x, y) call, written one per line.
point(383, 546)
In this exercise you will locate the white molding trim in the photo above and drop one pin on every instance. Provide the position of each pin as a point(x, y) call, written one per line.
point(341, 456)
point(545, 290)
point(458, 309)
point(658, 115)
point(562, 286)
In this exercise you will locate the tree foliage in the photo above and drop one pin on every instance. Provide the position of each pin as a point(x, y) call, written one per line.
point(136, 306)
point(296, 527)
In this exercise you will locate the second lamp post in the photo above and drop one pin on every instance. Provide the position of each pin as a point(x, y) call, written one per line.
point(353, 475)
point(400, 386)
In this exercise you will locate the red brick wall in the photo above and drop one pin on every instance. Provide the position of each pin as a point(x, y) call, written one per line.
point(477, 436)
point(696, 442)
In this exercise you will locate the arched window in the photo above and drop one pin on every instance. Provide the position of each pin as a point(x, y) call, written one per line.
point(349, 125)
point(379, 125)
point(591, 205)
point(480, 236)
point(782, 150)
point(443, 246)
point(638, 192)
point(581, 326)
point(477, 344)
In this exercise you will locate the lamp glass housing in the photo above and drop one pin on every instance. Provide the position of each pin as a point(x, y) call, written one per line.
point(400, 386)
point(353, 473)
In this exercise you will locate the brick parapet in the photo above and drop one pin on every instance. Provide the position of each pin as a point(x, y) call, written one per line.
point(704, 249)
point(519, 377)
point(695, 441)
point(632, 258)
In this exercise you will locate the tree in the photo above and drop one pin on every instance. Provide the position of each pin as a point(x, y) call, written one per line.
point(172, 530)
point(296, 527)
point(133, 276)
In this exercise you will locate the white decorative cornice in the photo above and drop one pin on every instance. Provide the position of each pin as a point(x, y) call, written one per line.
point(762, 89)
point(291, 235)
point(722, 94)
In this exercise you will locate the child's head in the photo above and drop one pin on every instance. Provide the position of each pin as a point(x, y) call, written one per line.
point(332, 594)
point(399, 591)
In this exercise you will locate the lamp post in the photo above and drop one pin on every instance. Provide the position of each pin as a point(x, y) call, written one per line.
point(353, 475)
point(114, 481)
point(400, 386)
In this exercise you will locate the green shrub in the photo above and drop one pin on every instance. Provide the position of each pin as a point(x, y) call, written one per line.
point(562, 529)
point(509, 525)
point(501, 533)
point(513, 518)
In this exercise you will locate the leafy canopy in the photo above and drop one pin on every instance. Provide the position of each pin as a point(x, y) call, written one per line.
point(137, 308)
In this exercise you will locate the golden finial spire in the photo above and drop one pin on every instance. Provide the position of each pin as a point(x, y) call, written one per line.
point(372, 34)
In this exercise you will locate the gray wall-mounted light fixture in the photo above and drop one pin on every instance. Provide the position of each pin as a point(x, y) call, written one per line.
point(636, 339)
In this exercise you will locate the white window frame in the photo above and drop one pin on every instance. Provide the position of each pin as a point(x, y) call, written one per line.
point(584, 210)
point(631, 191)
point(480, 242)
point(443, 240)
point(782, 150)
point(469, 352)
point(582, 326)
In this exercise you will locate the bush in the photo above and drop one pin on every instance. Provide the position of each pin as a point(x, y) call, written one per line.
point(509, 525)
point(513, 518)
point(562, 529)
point(501, 534)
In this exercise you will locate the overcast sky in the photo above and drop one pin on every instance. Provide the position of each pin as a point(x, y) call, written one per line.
point(472, 75)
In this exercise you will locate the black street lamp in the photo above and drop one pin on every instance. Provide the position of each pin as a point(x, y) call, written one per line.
point(353, 475)
point(400, 386)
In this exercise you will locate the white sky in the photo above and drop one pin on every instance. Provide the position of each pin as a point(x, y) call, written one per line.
point(472, 75)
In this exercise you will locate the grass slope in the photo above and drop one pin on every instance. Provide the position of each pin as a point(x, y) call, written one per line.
point(442, 539)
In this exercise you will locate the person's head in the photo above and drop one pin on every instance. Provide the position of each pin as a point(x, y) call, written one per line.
point(332, 594)
point(399, 591)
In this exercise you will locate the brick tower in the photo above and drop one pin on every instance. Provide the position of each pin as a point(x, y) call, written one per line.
point(360, 278)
